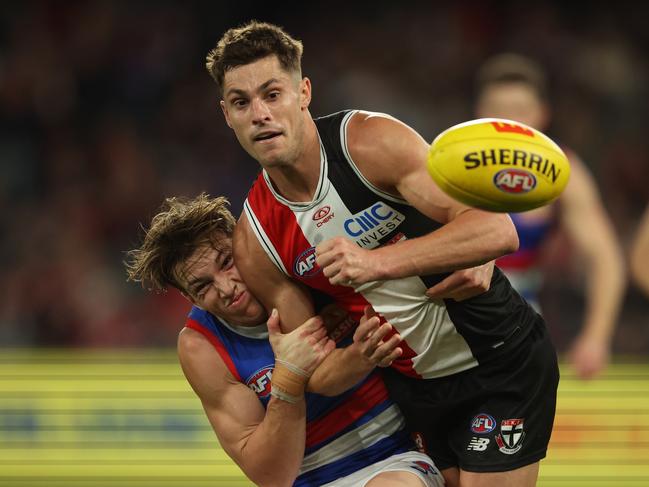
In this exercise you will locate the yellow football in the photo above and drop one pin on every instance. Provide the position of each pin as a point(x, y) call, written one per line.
point(498, 165)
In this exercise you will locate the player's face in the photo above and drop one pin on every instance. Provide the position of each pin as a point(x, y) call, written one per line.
point(514, 101)
point(265, 105)
point(212, 282)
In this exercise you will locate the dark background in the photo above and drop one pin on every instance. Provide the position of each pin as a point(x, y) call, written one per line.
point(106, 108)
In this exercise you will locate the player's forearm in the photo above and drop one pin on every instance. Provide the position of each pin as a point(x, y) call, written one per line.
point(339, 372)
point(273, 453)
point(605, 290)
point(471, 239)
point(640, 254)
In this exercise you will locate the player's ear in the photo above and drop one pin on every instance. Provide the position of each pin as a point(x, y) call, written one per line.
point(225, 113)
point(305, 93)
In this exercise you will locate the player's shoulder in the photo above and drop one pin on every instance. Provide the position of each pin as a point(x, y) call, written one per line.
point(378, 141)
point(199, 358)
point(375, 130)
point(192, 343)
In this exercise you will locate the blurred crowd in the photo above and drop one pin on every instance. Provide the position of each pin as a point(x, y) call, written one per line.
point(106, 108)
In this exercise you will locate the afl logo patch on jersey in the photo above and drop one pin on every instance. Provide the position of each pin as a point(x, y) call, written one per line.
point(305, 265)
point(515, 181)
point(483, 424)
point(259, 381)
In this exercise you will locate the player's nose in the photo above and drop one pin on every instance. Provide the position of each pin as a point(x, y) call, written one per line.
point(260, 111)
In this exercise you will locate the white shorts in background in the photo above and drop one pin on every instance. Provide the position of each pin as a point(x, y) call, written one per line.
point(414, 462)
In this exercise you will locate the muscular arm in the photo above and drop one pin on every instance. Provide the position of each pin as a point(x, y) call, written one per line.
point(268, 446)
point(589, 228)
point(392, 156)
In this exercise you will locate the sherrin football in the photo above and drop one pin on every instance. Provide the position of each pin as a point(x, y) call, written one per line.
point(498, 165)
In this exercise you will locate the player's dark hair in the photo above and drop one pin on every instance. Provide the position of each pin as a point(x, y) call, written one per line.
point(182, 226)
point(505, 68)
point(250, 42)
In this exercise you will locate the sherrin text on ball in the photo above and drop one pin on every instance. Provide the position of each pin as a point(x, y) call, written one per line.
point(498, 165)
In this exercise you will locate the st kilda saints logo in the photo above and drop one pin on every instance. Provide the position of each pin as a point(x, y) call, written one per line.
point(510, 439)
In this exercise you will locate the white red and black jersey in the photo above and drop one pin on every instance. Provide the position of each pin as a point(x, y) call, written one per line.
point(440, 337)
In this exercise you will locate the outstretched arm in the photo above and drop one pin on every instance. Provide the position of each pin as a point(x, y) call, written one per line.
point(392, 156)
point(588, 226)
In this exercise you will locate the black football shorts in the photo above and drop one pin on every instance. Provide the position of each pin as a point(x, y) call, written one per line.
point(495, 417)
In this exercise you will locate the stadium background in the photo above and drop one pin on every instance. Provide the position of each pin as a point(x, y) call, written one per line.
point(105, 108)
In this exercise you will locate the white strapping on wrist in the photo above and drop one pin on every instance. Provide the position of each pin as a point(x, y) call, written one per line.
point(283, 396)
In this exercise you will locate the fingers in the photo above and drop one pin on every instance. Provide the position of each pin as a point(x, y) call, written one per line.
point(463, 284)
point(273, 323)
point(310, 326)
point(442, 289)
point(369, 312)
point(390, 357)
point(375, 340)
point(326, 345)
point(366, 328)
point(387, 352)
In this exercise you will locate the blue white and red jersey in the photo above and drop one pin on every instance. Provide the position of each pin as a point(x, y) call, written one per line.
point(343, 433)
point(522, 267)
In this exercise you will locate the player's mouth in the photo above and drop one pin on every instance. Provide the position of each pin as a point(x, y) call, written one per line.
point(238, 299)
point(266, 136)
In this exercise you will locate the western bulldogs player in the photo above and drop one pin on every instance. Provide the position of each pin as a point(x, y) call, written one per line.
point(239, 368)
point(344, 205)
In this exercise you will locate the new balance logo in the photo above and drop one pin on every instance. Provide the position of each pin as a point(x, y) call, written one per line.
point(478, 444)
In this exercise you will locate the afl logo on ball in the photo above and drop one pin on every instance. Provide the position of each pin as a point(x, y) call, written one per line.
point(515, 181)
point(483, 424)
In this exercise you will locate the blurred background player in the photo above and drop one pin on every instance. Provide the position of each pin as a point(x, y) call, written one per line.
point(640, 254)
point(229, 356)
point(514, 87)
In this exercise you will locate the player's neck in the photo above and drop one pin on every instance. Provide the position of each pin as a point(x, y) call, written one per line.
point(298, 181)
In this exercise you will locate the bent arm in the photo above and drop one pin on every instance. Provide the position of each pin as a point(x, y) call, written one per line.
point(588, 226)
point(268, 446)
point(275, 290)
point(379, 145)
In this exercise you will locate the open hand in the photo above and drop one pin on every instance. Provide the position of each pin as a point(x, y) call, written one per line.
point(305, 347)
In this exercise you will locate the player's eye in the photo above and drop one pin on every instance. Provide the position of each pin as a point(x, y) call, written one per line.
point(227, 262)
point(201, 290)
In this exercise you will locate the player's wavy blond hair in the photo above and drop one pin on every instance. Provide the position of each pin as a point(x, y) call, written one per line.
point(250, 42)
point(181, 226)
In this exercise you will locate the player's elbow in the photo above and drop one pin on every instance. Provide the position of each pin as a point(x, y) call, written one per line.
point(275, 477)
point(507, 237)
